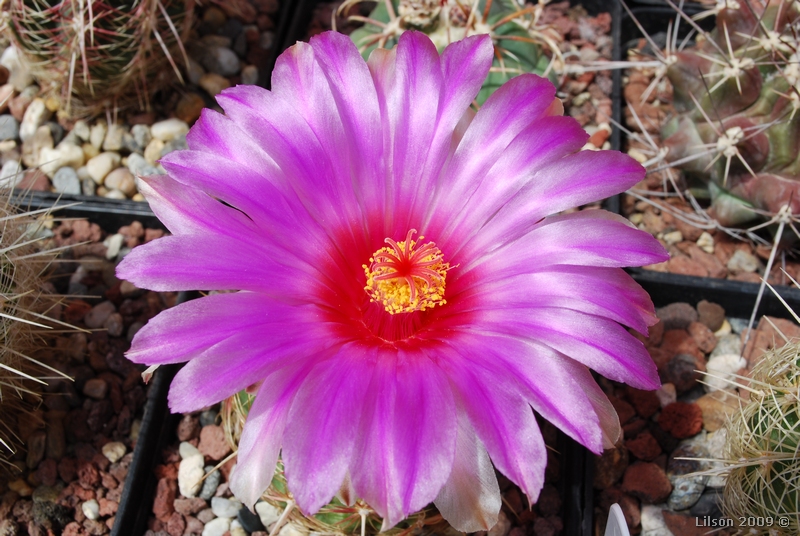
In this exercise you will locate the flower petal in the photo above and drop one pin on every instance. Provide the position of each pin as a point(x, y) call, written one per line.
point(503, 421)
point(318, 446)
point(588, 238)
point(244, 358)
point(470, 499)
point(598, 343)
point(262, 434)
point(600, 291)
point(406, 440)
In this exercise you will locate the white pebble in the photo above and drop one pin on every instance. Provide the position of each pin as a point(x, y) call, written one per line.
point(190, 474)
point(114, 451)
point(35, 116)
point(98, 134)
point(20, 76)
point(64, 155)
point(91, 509)
point(186, 449)
point(706, 242)
point(217, 527)
point(673, 238)
point(169, 129)
point(223, 507)
point(267, 513)
point(101, 165)
point(10, 173)
point(290, 529)
point(653, 523)
point(721, 367)
point(113, 244)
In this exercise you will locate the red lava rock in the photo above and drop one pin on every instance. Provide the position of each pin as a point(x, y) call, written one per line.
point(88, 477)
point(67, 469)
point(188, 428)
point(711, 314)
point(644, 402)
point(76, 310)
point(190, 506)
point(678, 341)
point(176, 525)
point(682, 420)
point(74, 529)
point(704, 337)
point(644, 446)
point(107, 507)
point(647, 481)
point(681, 371)
point(609, 467)
point(47, 472)
point(108, 481)
point(165, 497)
point(152, 234)
point(634, 427)
point(213, 443)
point(94, 527)
point(624, 410)
point(682, 265)
point(169, 471)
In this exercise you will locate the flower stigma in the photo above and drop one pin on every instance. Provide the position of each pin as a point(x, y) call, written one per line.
point(404, 279)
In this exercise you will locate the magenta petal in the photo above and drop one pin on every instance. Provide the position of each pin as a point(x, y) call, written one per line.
point(598, 343)
point(318, 446)
point(179, 332)
point(589, 238)
point(608, 292)
point(406, 440)
point(470, 499)
point(243, 359)
point(262, 435)
point(503, 421)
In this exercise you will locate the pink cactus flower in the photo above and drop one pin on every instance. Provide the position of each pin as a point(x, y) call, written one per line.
point(406, 295)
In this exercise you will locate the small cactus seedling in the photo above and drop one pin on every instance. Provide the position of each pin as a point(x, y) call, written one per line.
point(737, 94)
point(762, 447)
point(520, 39)
point(92, 55)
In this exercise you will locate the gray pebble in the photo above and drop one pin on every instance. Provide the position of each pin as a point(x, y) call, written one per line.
point(738, 325)
point(208, 416)
point(249, 521)
point(141, 135)
point(266, 40)
point(88, 187)
point(9, 127)
point(178, 144)
point(210, 484)
point(66, 181)
point(223, 507)
point(686, 490)
point(727, 344)
point(220, 60)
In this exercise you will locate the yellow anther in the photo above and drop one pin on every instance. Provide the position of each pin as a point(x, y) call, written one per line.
point(405, 280)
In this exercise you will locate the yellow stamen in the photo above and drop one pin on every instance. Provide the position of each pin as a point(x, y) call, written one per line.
point(405, 280)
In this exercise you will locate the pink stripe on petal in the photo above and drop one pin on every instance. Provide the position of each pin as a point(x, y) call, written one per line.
point(598, 343)
point(262, 435)
point(609, 420)
point(318, 446)
point(406, 440)
point(572, 181)
point(177, 333)
point(608, 292)
point(507, 112)
point(470, 499)
point(185, 263)
point(502, 420)
point(589, 238)
point(239, 361)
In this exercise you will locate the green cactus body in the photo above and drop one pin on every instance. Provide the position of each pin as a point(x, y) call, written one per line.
point(737, 94)
point(519, 42)
point(95, 55)
point(762, 446)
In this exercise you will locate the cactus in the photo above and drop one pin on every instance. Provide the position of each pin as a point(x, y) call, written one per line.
point(737, 94)
point(23, 308)
point(762, 447)
point(337, 517)
point(520, 39)
point(92, 56)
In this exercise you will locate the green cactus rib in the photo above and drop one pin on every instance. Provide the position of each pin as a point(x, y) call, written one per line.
point(521, 44)
point(737, 94)
point(93, 55)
